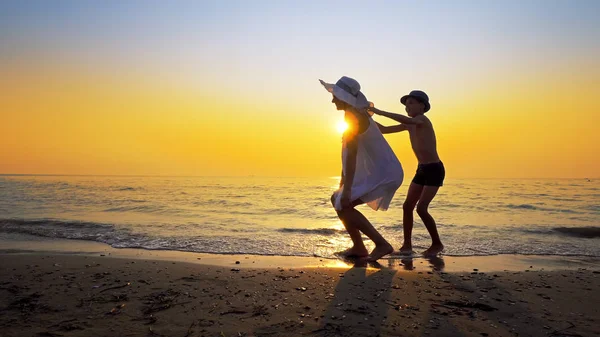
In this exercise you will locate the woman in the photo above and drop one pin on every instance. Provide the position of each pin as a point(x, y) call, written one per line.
point(371, 172)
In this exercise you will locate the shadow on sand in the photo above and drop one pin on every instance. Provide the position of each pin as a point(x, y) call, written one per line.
point(358, 306)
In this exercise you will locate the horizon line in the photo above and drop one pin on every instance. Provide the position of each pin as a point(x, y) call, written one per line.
point(239, 176)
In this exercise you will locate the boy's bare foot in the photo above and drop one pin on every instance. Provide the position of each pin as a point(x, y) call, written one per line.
point(379, 252)
point(405, 250)
point(353, 252)
point(434, 250)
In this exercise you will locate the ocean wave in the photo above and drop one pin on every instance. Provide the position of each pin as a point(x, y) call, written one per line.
point(17, 223)
point(282, 211)
point(468, 242)
point(124, 238)
point(136, 200)
point(449, 205)
point(222, 203)
point(581, 232)
point(564, 199)
point(80, 230)
point(214, 187)
point(577, 232)
point(126, 188)
point(522, 206)
point(142, 209)
point(310, 231)
point(538, 208)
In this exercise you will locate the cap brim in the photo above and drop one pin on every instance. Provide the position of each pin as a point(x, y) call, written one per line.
point(405, 97)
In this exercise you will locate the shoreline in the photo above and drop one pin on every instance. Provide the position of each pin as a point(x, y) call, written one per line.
point(31, 245)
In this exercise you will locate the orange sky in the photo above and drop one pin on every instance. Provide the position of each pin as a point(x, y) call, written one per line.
point(534, 114)
point(92, 124)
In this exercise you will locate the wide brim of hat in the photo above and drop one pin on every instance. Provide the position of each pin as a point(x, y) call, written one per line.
point(359, 101)
point(405, 97)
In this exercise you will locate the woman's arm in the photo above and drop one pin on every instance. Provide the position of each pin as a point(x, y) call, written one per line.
point(352, 148)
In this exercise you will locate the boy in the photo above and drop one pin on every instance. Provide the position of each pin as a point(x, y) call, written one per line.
point(430, 172)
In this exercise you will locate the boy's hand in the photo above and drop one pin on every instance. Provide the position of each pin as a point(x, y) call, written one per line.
point(373, 110)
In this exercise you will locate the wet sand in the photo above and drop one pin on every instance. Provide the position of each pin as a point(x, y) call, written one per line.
point(53, 294)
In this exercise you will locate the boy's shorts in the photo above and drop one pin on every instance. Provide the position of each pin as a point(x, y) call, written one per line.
point(432, 174)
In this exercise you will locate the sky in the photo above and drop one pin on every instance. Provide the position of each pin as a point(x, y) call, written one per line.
point(230, 88)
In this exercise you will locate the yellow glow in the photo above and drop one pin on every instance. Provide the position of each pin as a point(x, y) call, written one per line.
point(87, 122)
point(341, 126)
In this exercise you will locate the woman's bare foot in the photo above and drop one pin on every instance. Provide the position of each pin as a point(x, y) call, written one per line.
point(380, 251)
point(434, 250)
point(404, 251)
point(354, 252)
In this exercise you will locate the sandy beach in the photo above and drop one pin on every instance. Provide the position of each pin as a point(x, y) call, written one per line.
point(52, 294)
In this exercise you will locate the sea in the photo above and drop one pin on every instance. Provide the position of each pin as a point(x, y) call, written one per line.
point(285, 216)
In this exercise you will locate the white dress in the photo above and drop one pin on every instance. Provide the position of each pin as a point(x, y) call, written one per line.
point(378, 171)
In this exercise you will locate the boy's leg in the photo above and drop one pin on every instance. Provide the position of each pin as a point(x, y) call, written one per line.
point(427, 196)
point(412, 197)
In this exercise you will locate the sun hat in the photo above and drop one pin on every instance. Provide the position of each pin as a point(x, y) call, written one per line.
point(418, 95)
point(348, 90)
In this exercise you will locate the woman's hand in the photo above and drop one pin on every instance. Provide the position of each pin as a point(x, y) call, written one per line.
point(345, 199)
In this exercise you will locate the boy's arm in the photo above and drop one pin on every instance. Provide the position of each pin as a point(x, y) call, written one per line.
point(391, 129)
point(398, 117)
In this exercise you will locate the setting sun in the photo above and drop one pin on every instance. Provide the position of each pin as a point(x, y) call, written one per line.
point(341, 126)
